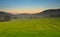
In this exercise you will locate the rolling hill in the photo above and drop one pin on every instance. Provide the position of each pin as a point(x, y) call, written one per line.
point(50, 13)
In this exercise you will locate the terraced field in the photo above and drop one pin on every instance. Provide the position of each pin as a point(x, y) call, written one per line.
point(46, 27)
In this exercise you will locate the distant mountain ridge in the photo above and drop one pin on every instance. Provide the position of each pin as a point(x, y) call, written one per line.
point(50, 13)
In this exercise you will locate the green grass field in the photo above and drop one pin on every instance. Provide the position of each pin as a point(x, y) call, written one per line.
point(47, 27)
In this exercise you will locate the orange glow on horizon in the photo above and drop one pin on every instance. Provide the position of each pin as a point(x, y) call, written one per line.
point(29, 11)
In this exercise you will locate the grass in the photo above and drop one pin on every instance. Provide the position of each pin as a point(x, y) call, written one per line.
point(46, 27)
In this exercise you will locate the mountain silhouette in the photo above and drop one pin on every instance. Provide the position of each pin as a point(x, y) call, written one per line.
point(50, 13)
point(4, 16)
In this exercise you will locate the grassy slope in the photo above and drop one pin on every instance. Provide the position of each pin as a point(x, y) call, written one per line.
point(47, 27)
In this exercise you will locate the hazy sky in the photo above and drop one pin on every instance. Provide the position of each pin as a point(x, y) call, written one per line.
point(28, 6)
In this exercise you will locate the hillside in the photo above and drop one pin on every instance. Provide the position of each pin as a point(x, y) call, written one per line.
point(4, 16)
point(50, 13)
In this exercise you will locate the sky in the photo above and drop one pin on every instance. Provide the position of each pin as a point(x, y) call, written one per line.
point(28, 6)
